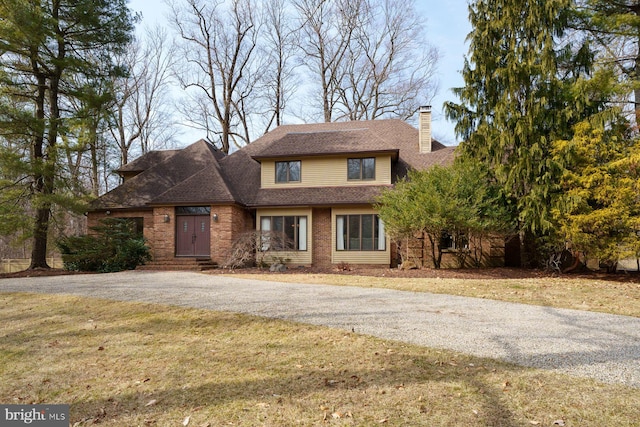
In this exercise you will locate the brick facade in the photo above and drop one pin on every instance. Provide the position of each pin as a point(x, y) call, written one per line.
point(163, 246)
point(321, 237)
point(147, 215)
point(232, 222)
point(159, 227)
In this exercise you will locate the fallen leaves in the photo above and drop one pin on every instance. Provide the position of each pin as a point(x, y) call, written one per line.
point(151, 402)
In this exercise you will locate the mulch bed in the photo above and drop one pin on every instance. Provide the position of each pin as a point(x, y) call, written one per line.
point(483, 273)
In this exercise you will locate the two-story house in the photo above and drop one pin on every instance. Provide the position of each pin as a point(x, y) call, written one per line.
point(309, 187)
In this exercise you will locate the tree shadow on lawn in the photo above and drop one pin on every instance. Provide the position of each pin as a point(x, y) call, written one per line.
point(459, 395)
point(142, 364)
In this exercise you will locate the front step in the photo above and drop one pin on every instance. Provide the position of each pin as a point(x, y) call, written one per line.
point(179, 264)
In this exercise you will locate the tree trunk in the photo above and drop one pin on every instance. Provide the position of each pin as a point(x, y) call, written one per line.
point(636, 91)
point(528, 250)
point(41, 224)
point(47, 159)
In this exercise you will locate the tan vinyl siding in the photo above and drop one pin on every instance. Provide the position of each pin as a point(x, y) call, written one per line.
point(293, 257)
point(326, 172)
point(357, 257)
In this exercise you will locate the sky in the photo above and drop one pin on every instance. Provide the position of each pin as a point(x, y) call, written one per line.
point(446, 28)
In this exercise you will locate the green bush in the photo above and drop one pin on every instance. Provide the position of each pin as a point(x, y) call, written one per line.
point(113, 246)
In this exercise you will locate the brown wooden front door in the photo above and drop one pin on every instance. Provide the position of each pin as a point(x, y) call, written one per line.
point(193, 235)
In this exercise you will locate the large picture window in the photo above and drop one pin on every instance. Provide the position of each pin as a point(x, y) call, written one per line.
point(360, 233)
point(288, 171)
point(361, 169)
point(284, 233)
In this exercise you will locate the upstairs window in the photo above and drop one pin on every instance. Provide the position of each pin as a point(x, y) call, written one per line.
point(288, 171)
point(361, 169)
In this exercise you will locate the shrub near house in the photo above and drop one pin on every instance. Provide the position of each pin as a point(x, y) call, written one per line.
point(113, 246)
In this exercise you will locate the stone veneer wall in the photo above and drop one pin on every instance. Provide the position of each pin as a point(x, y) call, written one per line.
point(493, 250)
point(321, 237)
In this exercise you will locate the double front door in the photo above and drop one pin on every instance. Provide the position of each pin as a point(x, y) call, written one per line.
point(193, 235)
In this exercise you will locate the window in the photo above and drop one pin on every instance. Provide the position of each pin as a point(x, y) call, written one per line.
point(136, 225)
point(193, 210)
point(453, 242)
point(360, 233)
point(288, 171)
point(284, 233)
point(361, 169)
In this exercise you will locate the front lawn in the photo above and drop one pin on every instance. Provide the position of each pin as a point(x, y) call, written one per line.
point(134, 364)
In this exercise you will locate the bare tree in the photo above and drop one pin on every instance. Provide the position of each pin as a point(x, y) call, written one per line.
point(369, 57)
point(278, 49)
point(218, 44)
point(327, 28)
point(389, 66)
point(142, 114)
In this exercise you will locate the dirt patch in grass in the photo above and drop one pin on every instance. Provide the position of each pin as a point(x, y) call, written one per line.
point(39, 272)
point(128, 364)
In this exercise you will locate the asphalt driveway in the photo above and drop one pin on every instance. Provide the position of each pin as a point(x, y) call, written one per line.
point(601, 346)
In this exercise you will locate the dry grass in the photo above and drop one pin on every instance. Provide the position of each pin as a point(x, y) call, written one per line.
point(132, 364)
point(566, 292)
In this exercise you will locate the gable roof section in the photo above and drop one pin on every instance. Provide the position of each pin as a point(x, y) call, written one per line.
point(325, 142)
point(186, 176)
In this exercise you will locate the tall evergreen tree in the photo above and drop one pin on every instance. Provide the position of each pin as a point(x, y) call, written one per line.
point(614, 30)
point(42, 45)
point(514, 104)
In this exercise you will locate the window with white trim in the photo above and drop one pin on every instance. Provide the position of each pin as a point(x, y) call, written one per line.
point(360, 233)
point(283, 233)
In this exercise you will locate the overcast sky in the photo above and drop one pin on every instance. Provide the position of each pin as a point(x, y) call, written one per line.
point(447, 27)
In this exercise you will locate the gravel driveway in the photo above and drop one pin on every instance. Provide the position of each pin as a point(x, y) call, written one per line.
point(601, 346)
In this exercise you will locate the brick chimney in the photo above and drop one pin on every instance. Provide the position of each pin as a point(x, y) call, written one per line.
point(424, 129)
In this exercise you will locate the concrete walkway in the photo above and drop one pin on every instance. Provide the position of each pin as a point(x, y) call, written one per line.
point(600, 346)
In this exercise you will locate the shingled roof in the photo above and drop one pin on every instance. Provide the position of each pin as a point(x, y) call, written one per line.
point(321, 139)
point(168, 181)
point(199, 174)
point(324, 143)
